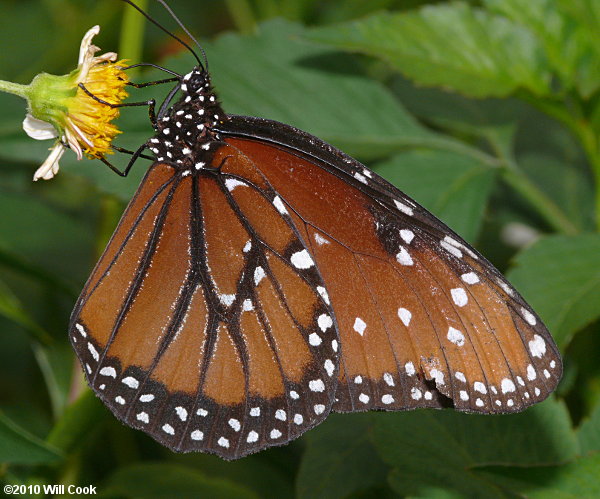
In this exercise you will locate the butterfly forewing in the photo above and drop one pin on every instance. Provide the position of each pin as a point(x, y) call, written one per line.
point(199, 324)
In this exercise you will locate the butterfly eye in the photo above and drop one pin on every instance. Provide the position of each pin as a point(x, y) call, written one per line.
point(261, 279)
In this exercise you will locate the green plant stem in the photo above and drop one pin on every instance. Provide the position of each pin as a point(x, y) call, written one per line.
point(545, 207)
point(589, 140)
point(584, 132)
point(131, 45)
point(241, 13)
point(514, 177)
point(14, 88)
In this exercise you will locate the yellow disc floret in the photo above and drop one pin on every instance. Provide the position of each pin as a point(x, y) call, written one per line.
point(91, 120)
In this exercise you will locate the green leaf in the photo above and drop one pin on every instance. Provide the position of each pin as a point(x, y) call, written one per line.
point(18, 446)
point(12, 308)
point(276, 75)
point(340, 459)
point(77, 422)
point(480, 118)
point(465, 49)
point(574, 480)
point(259, 473)
point(158, 481)
point(445, 448)
point(561, 28)
point(560, 278)
point(589, 432)
point(454, 187)
point(44, 234)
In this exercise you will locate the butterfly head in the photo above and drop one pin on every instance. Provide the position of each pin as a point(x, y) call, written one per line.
point(188, 125)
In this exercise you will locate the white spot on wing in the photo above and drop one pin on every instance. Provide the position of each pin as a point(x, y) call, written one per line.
point(93, 351)
point(81, 330)
point(130, 382)
point(329, 367)
point(259, 274)
point(181, 413)
point(360, 178)
point(360, 326)
point(108, 371)
point(227, 300)
point(451, 249)
point(319, 409)
point(323, 292)
point(407, 235)
point(278, 203)
point(507, 386)
point(529, 317)
point(320, 240)
point(537, 346)
point(314, 339)
point(407, 210)
point(478, 386)
point(470, 278)
point(325, 322)
point(459, 296)
point(404, 257)
point(456, 337)
point(316, 385)
point(302, 260)
point(232, 183)
point(405, 316)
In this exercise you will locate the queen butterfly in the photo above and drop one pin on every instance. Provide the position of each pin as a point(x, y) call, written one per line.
point(261, 278)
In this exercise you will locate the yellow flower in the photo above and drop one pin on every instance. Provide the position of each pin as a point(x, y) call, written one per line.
point(60, 109)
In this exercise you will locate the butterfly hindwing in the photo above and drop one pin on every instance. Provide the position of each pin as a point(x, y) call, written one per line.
point(424, 320)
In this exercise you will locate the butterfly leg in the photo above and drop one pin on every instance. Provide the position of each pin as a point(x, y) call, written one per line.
point(134, 156)
point(150, 103)
point(127, 151)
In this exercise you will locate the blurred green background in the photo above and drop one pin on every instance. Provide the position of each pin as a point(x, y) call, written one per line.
point(487, 113)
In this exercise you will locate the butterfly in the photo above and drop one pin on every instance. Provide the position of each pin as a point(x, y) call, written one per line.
point(261, 279)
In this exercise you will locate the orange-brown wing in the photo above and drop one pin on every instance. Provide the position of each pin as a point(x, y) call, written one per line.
point(205, 322)
point(424, 320)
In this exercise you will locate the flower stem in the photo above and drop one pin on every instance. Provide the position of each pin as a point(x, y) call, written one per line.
point(132, 35)
point(14, 88)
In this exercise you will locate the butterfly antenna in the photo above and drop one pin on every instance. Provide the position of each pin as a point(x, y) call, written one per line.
point(178, 21)
point(156, 23)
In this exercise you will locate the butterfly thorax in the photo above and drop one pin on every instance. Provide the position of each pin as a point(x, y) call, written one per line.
point(187, 127)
